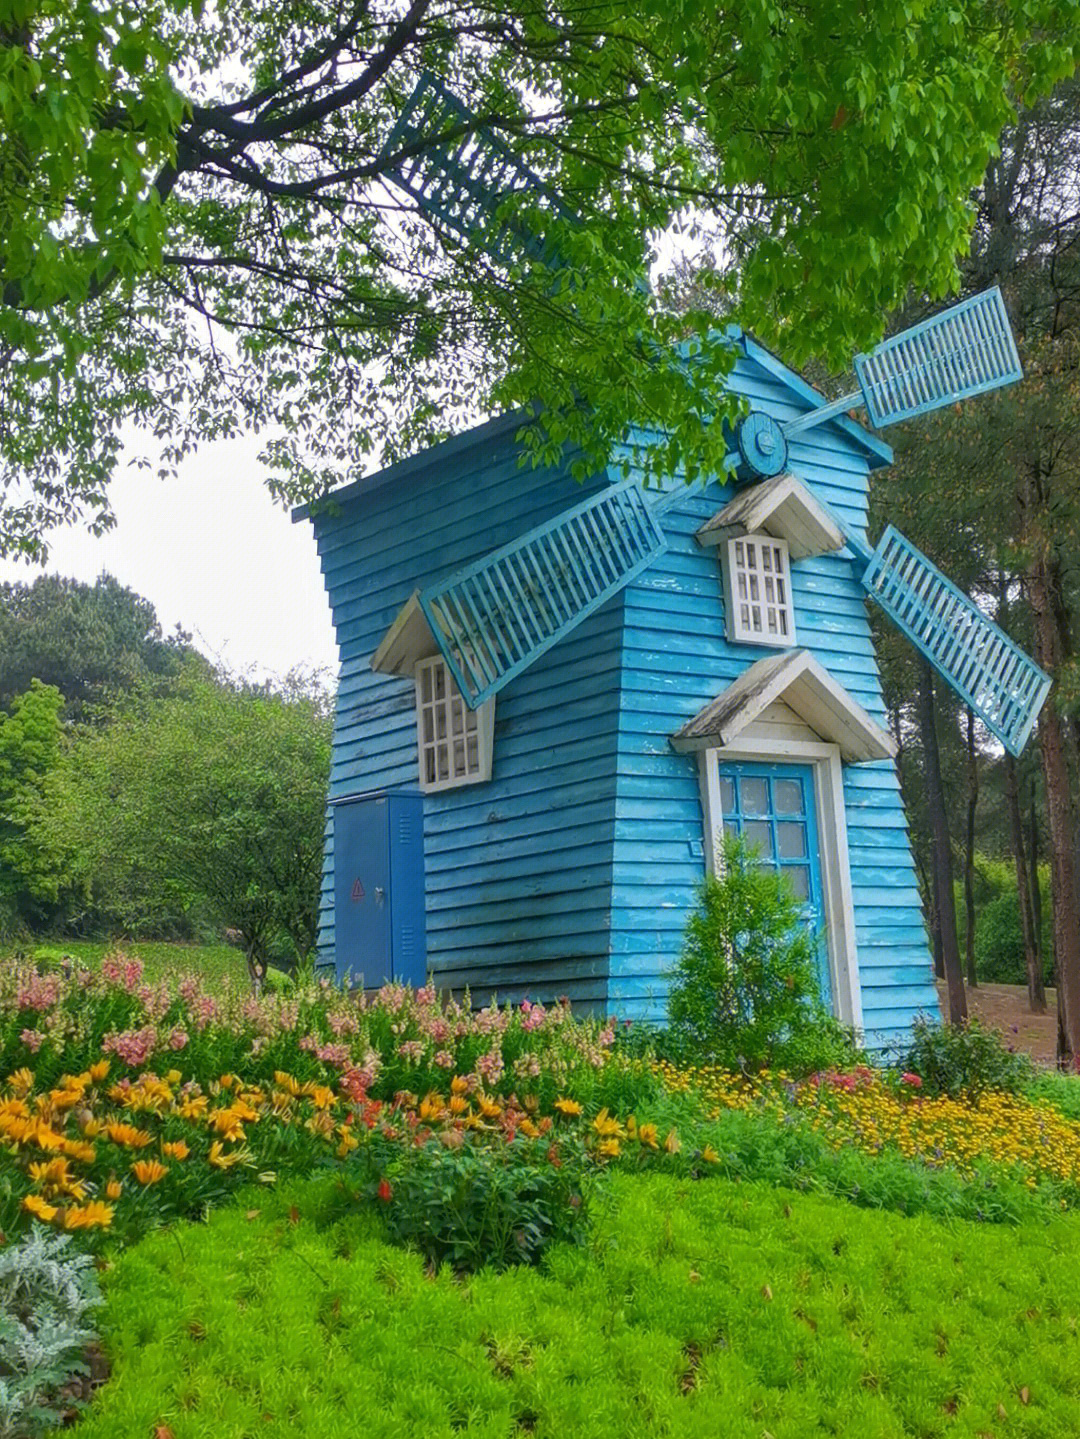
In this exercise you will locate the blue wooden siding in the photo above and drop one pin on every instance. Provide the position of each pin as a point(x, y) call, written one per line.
point(675, 659)
point(519, 869)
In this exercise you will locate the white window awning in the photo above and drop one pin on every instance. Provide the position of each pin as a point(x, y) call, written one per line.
point(783, 508)
point(408, 641)
point(797, 678)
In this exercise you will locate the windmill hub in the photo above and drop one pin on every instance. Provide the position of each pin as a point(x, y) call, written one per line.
point(761, 446)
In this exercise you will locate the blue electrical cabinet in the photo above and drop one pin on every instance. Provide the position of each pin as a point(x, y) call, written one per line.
point(379, 932)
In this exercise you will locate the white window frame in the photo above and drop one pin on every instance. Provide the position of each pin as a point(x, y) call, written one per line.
point(825, 761)
point(757, 582)
point(458, 726)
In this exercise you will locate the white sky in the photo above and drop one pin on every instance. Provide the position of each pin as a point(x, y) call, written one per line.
point(211, 551)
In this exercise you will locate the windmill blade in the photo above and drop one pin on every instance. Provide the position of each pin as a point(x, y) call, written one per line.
point(461, 183)
point(965, 350)
point(493, 619)
point(980, 662)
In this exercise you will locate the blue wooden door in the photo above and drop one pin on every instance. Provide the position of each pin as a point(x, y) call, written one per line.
point(772, 806)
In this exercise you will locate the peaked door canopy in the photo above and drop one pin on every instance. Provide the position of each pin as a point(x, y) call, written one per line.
point(807, 688)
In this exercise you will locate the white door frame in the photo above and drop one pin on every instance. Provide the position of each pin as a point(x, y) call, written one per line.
point(825, 761)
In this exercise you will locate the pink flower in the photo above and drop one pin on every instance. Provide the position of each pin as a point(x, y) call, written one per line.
point(33, 1039)
point(912, 1079)
point(444, 1059)
point(133, 1046)
point(39, 994)
point(178, 1038)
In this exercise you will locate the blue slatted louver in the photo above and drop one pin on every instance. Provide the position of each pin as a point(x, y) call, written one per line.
point(966, 350)
point(462, 182)
point(978, 660)
point(495, 618)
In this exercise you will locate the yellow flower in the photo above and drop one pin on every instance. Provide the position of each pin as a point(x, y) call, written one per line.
point(98, 1071)
point(321, 1096)
point(227, 1123)
point(348, 1141)
point(22, 1081)
point(113, 1189)
point(220, 1160)
point(672, 1143)
point(175, 1149)
point(528, 1127)
point(459, 1085)
point(488, 1107)
point(609, 1148)
point(194, 1106)
point(94, 1215)
point(286, 1081)
point(458, 1104)
point(710, 1155)
point(568, 1106)
point(173, 1077)
point(39, 1207)
point(606, 1127)
point(84, 1153)
point(149, 1171)
point(647, 1135)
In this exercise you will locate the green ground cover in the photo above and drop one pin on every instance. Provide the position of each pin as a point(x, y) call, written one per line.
point(695, 1309)
point(161, 959)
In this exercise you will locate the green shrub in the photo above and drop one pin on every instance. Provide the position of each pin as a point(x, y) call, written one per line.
point(472, 1202)
point(967, 1058)
point(46, 1292)
point(744, 992)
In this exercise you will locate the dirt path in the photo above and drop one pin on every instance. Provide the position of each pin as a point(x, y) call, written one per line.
point(1005, 1007)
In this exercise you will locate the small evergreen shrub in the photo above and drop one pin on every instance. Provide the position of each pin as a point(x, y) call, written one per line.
point(47, 1290)
point(744, 992)
point(967, 1058)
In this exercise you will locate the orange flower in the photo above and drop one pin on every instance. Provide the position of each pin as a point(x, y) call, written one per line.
point(175, 1149)
point(149, 1171)
point(458, 1104)
point(98, 1071)
point(459, 1085)
point(488, 1107)
point(94, 1215)
point(227, 1123)
point(194, 1106)
point(528, 1127)
point(113, 1189)
point(39, 1207)
point(128, 1135)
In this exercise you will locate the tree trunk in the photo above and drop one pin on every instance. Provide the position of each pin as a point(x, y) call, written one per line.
point(1032, 957)
point(942, 850)
point(934, 918)
point(1033, 881)
point(1050, 649)
point(969, 852)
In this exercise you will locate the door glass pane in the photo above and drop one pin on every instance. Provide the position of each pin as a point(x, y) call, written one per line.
point(787, 796)
point(758, 835)
point(791, 839)
point(799, 877)
point(755, 795)
point(727, 794)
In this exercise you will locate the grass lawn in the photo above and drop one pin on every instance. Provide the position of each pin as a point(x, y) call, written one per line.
point(709, 1308)
point(161, 959)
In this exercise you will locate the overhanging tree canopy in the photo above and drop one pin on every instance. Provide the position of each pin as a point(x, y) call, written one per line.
point(196, 234)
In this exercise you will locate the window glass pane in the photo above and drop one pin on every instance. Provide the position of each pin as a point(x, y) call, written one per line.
point(787, 796)
point(755, 795)
point(799, 877)
point(727, 794)
point(730, 827)
point(758, 835)
point(791, 839)
point(766, 559)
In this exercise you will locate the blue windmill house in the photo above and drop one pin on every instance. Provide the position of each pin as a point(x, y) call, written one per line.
point(555, 699)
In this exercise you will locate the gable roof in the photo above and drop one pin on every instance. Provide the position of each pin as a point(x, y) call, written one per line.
point(806, 687)
point(781, 507)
